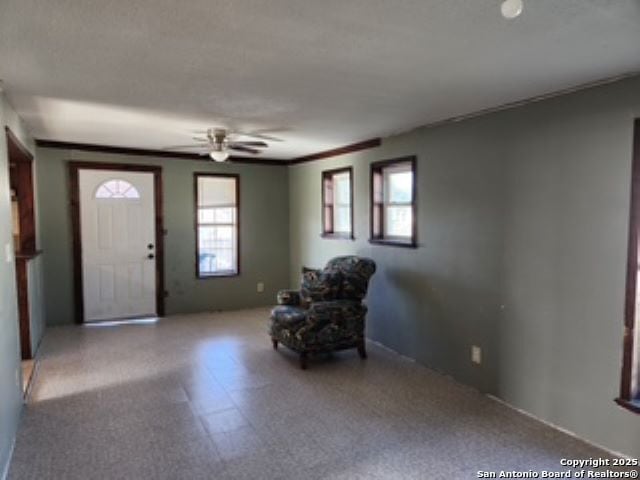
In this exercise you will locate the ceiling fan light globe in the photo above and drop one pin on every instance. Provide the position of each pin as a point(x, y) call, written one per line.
point(219, 155)
point(511, 8)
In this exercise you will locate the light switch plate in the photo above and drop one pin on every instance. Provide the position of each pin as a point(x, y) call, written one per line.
point(8, 253)
point(476, 354)
point(260, 287)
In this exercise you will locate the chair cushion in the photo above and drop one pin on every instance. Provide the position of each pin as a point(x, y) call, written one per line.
point(356, 272)
point(320, 285)
point(287, 315)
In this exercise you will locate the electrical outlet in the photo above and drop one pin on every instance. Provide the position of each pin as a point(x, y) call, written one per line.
point(260, 287)
point(476, 354)
point(8, 254)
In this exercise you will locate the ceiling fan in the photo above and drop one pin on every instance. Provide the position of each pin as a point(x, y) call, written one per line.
point(217, 143)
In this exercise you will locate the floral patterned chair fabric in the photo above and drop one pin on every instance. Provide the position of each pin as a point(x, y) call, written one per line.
point(327, 313)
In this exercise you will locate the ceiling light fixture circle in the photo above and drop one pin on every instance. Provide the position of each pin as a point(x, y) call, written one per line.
point(219, 155)
point(511, 8)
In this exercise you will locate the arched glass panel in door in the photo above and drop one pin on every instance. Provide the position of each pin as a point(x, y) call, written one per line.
point(117, 189)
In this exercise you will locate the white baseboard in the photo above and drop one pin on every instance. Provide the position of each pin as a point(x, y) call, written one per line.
point(5, 468)
point(556, 427)
point(504, 402)
point(388, 349)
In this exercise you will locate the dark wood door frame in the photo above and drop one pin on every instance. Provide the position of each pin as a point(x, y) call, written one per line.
point(21, 179)
point(21, 166)
point(74, 171)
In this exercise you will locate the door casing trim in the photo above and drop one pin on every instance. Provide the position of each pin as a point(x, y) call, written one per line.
point(74, 192)
point(20, 158)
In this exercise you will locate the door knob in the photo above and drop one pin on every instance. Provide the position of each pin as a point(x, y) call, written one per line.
point(150, 246)
point(151, 256)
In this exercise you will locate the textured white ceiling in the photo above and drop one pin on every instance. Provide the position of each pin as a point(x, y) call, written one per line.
point(143, 73)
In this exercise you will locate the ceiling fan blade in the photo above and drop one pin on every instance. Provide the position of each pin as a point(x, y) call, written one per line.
point(240, 148)
point(249, 144)
point(177, 147)
point(259, 135)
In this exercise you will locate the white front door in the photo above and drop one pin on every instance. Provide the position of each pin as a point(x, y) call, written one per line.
point(117, 223)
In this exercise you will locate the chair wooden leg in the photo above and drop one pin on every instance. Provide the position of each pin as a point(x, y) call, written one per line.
point(303, 360)
point(362, 351)
point(275, 343)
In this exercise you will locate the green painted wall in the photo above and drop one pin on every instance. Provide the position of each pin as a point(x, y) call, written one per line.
point(264, 247)
point(10, 372)
point(522, 231)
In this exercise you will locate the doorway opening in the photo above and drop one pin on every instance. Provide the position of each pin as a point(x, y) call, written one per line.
point(24, 239)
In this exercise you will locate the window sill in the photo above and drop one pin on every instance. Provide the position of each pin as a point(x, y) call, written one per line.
point(338, 236)
point(393, 243)
point(217, 275)
point(632, 405)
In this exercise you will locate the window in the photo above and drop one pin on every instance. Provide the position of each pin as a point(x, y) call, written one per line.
point(393, 202)
point(630, 383)
point(217, 225)
point(337, 203)
point(117, 189)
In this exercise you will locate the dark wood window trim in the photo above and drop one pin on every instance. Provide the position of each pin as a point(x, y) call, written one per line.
point(376, 208)
point(327, 229)
point(631, 405)
point(629, 398)
point(74, 170)
point(236, 177)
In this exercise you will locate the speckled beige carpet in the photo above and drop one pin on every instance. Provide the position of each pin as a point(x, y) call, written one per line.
point(205, 396)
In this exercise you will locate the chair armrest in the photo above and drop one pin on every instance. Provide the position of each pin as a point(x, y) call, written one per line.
point(289, 297)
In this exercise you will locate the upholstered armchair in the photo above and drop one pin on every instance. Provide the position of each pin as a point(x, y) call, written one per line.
point(327, 314)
